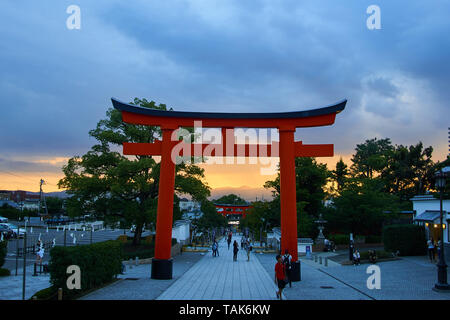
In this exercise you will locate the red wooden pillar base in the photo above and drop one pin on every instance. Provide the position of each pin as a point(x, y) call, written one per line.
point(288, 194)
point(162, 262)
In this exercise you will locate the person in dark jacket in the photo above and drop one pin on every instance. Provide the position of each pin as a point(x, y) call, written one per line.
point(235, 250)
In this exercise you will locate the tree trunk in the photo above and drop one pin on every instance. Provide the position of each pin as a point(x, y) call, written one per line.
point(137, 234)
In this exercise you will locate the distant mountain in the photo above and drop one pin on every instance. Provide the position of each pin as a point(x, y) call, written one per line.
point(245, 192)
point(57, 194)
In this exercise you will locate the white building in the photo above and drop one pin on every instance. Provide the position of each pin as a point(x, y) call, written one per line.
point(192, 215)
point(181, 231)
point(190, 206)
point(427, 213)
point(30, 205)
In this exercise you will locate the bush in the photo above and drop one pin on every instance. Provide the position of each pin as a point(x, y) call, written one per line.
point(339, 238)
point(99, 264)
point(3, 250)
point(123, 238)
point(408, 239)
point(149, 239)
point(380, 255)
point(373, 239)
point(47, 294)
point(4, 272)
point(140, 253)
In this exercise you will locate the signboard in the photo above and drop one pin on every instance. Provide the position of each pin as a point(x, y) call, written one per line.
point(308, 251)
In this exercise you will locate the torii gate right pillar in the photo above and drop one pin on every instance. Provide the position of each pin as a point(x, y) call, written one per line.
point(288, 201)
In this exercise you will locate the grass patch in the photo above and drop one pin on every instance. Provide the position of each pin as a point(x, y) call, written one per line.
point(51, 293)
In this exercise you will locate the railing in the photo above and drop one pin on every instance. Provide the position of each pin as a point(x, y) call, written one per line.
point(33, 248)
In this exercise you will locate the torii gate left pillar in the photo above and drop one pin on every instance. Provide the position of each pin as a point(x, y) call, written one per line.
point(162, 262)
point(288, 196)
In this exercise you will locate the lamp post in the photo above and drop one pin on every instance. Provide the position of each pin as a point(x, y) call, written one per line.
point(441, 266)
point(260, 231)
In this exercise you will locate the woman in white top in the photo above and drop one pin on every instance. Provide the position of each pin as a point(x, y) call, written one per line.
point(40, 252)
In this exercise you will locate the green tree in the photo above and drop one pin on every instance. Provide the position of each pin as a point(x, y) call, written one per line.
point(409, 170)
point(311, 179)
point(124, 188)
point(340, 175)
point(438, 166)
point(262, 216)
point(230, 199)
point(210, 218)
point(54, 205)
point(371, 157)
point(362, 207)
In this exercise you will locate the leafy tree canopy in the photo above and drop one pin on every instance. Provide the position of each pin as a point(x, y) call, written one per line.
point(124, 188)
point(230, 199)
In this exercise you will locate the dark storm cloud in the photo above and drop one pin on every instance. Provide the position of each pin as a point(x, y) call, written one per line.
point(240, 56)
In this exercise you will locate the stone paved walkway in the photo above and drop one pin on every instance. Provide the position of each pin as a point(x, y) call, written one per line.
point(410, 278)
point(11, 286)
point(136, 284)
point(221, 278)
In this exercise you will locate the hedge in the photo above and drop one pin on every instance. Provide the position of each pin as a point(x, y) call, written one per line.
point(143, 251)
point(380, 255)
point(373, 239)
point(3, 250)
point(408, 239)
point(339, 238)
point(4, 272)
point(99, 264)
point(46, 294)
point(141, 254)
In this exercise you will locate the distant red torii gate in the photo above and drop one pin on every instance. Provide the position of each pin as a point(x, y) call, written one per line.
point(239, 209)
point(169, 121)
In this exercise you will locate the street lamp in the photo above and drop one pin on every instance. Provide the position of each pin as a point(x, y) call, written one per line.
point(442, 266)
point(260, 231)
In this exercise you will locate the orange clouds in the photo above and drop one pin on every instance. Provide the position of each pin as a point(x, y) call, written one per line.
point(218, 176)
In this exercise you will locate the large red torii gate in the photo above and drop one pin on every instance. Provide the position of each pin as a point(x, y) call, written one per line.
point(169, 121)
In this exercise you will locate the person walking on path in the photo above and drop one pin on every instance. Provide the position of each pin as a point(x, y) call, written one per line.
point(235, 250)
point(356, 258)
point(249, 248)
point(280, 275)
point(431, 249)
point(40, 252)
point(214, 249)
point(287, 259)
point(217, 248)
point(230, 235)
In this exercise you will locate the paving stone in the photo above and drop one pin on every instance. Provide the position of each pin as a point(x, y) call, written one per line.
point(221, 278)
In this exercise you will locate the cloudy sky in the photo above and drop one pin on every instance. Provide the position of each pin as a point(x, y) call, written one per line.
point(223, 56)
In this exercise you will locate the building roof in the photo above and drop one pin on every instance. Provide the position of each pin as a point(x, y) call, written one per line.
point(423, 197)
point(9, 203)
point(429, 215)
